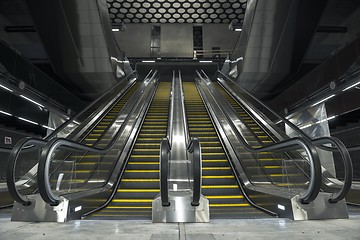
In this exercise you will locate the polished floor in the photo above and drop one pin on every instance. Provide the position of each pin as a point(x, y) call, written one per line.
point(269, 228)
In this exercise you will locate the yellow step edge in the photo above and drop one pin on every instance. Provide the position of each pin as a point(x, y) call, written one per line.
point(212, 153)
point(142, 171)
point(144, 156)
point(225, 197)
point(141, 180)
point(214, 161)
point(138, 190)
point(145, 163)
point(219, 186)
point(229, 205)
point(217, 177)
point(216, 168)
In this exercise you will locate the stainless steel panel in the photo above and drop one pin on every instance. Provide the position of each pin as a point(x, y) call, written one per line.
point(39, 211)
point(178, 162)
point(136, 40)
point(80, 26)
point(180, 209)
point(176, 40)
point(320, 208)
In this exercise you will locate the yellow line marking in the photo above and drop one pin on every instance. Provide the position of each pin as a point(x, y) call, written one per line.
point(220, 186)
point(143, 171)
point(216, 168)
point(138, 190)
point(146, 163)
point(220, 177)
point(226, 197)
point(230, 205)
point(213, 161)
point(140, 180)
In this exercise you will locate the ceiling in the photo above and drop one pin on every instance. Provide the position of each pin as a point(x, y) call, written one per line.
point(177, 11)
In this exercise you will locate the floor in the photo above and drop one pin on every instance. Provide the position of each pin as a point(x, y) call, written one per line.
point(271, 228)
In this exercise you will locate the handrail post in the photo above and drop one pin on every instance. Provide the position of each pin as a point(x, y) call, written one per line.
point(164, 171)
point(10, 178)
point(348, 168)
point(194, 147)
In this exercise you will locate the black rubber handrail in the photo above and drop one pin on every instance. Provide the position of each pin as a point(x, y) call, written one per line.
point(294, 143)
point(194, 148)
point(165, 149)
point(46, 153)
point(63, 125)
point(116, 184)
point(10, 177)
point(348, 168)
point(320, 143)
point(31, 142)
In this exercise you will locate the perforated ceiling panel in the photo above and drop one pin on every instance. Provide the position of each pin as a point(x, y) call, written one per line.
point(177, 11)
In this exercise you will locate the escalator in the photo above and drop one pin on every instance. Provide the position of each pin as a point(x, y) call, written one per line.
point(265, 167)
point(140, 182)
point(79, 168)
point(219, 184)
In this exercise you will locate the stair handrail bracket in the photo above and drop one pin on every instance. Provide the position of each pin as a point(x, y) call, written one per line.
point(165, 149)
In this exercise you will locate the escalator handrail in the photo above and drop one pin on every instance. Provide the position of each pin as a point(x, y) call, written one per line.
point(320, 143)
point(194, 147)
point(30, 142)
point(46, 154)
point(348, 168)
point(10, 177)
point(70, 120)
point(293, 126)
point(187, 134)
point(315, 165)
point(165, 149)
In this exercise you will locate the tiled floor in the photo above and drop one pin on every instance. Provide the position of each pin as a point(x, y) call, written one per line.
point(271, 228)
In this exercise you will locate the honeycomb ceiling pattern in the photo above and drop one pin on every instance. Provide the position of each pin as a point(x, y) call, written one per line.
point(176, 11)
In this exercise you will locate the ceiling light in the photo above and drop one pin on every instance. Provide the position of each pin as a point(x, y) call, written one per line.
point(115, 30)
point(323, 100)
point(6, 88)
point(48, 127)
point(27, 120)
point(30, 100)
point(351, 86)
point(148, 61)
point(237, 29)
point(6, 113)
point(205, 61)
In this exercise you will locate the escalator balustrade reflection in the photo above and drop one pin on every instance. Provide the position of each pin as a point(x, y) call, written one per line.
point(79, 168)
point(266, 167)
point(140, 182)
